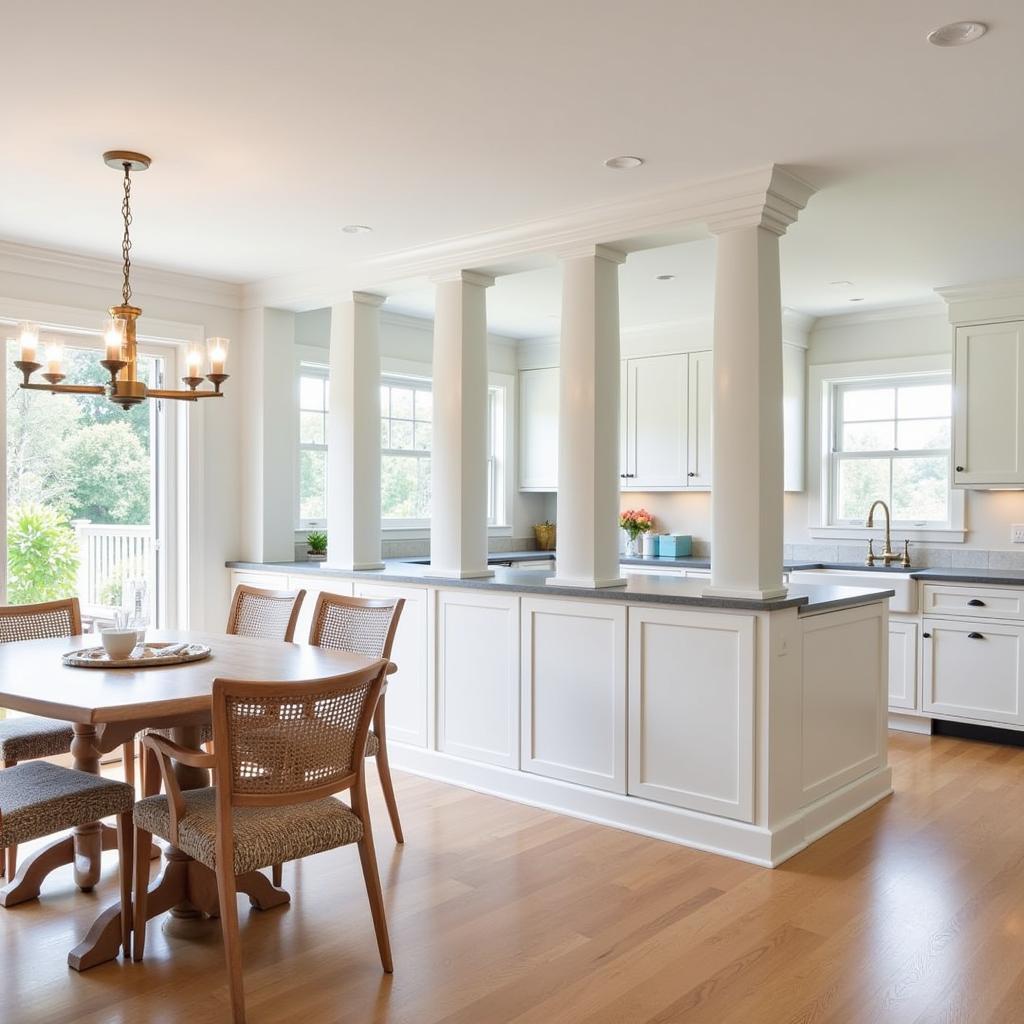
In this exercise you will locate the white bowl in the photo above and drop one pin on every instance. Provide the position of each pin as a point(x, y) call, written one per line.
point(118, 643)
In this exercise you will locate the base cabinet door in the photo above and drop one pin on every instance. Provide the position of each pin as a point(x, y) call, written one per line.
point(574, 691)
point(478, 676)
point(408, 688)
point(902, 663)
point(691, 710)
point(973, 670)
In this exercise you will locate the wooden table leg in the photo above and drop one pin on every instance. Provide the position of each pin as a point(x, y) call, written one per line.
point(26, 884)
point(88, 839)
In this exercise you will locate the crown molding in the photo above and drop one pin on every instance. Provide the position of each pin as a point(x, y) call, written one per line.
point(977, 303)
point(97, 272)
point(834, 321)
point(768, 196)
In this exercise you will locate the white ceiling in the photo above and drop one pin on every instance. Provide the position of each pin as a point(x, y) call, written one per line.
point(271, 125)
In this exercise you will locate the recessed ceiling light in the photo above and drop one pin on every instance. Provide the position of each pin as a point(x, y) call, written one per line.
point(665, 277)
point(860, 299)
point(842, 284)
point(623, 163)
point(357, 229)
point(959, 33)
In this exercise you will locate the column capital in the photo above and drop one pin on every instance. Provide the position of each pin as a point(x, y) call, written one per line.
point(595, 251)
point(368, 298)
point(465, 276)
point(773, 204)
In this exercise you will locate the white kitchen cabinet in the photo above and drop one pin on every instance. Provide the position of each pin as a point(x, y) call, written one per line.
point(538, 429)
point(409, 687)
point(902, 663)
point(574, 691)
point(973, 669)
point(478, 676)
point(691, 710)
point(701, 385)
point(988, 405)
point(654, 423)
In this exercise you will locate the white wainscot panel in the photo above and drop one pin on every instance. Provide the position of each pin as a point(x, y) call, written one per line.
point(845, 697)
point(691, 710)
point(314, 586)
point(408, 689)
point(902, 663)
point(574, 691)
point(478, 676)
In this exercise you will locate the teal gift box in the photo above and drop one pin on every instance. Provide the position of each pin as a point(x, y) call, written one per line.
point(674, 545)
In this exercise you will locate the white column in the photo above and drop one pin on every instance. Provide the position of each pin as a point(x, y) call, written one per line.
point(353, 436)
point(458, 474)
point(746, 434)
point(588, 421)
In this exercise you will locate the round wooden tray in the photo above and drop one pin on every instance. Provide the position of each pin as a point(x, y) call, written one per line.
point(152, 654)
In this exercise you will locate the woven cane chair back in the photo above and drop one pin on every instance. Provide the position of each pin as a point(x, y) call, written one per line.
point(356, 624)
point(37, 621)
point(267, 614)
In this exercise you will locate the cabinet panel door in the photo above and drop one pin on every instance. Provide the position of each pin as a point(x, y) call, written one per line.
point(972, 670)
point(657, 422)
point(988, 405)
point(902, 664)
point(691, 710)
point(538, 429)
point(408, 688)
point(478, 676)
point(574, 691)
point(701, 385)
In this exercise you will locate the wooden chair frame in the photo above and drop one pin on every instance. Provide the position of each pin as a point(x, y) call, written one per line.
point(9, 863)
point(226, 798)
point(383, 765)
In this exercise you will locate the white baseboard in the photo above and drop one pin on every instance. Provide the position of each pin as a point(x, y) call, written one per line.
point(742, 841)
point(910, 723)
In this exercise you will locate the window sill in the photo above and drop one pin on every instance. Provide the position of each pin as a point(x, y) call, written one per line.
point(945, 535)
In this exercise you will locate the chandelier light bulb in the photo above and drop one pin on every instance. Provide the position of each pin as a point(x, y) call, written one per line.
point(28, 340)
point(113, 338)
point(194, 361)
point(54, 357)
point(217, 350)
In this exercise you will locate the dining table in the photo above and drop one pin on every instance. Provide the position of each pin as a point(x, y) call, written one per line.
point(108, 707)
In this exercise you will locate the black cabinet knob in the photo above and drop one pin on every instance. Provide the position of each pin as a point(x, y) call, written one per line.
point(960, 469)
point(975, 636)
point(927, 636)
point(691, 474)
point(975, 603)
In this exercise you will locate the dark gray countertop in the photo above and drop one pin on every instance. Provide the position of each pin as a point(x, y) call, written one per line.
point(649, 589)
point(1007, 577)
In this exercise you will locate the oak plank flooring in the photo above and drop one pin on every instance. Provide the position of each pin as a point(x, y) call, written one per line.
point(500, 913)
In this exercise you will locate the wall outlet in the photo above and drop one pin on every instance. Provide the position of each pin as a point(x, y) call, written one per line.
point(1017, 533)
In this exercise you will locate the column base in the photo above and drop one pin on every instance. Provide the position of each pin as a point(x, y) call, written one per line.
point(459, 574)
point(746, 595)
point(351, 566)
point(586, 584)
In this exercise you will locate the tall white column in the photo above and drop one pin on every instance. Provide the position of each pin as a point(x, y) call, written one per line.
point(588, 421)
point(458, 484)
point(746, 433)
point(353, 436)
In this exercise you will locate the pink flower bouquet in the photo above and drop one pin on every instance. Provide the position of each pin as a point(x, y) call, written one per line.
point(636, 521)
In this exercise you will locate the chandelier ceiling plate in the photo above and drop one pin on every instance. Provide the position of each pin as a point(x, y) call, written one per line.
point(117, 158)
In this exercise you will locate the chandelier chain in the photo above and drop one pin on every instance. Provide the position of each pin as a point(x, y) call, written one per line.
point(126, 242)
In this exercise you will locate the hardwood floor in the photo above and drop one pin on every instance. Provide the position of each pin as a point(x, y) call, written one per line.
point(913, 912)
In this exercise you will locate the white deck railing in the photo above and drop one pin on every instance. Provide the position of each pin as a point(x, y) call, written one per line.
point(110, 554)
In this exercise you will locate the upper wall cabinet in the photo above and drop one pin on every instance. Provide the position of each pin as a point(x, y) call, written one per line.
point(654, 423)
point(988, 405)
point(538, 429)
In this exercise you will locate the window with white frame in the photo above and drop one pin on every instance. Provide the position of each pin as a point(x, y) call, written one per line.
point(890, 440)
point(312, 472)
point(406, 426)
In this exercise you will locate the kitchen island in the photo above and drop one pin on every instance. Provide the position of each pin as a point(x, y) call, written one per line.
point(747, 728)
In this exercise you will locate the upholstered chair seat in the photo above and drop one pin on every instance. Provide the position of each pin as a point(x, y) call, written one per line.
point(24, 738)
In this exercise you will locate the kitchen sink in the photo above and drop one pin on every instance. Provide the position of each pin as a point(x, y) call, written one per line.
point(899, 580)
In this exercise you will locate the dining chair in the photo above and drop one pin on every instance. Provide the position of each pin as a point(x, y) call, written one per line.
point(360, 625)
point(28, 737)
point(281, 751)
point(38, 799)
point(255, 612)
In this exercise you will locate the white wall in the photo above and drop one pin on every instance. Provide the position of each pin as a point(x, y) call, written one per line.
point(29, 276)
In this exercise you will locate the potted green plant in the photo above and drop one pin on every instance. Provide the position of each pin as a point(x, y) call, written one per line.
point(316, 546)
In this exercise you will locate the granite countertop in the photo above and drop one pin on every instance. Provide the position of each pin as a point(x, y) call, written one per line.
point(1007, 577)
point(654, 589)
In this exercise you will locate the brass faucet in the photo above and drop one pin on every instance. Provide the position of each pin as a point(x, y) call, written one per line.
point(888, 556)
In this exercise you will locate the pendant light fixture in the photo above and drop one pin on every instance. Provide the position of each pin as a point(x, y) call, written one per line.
point(120, 345)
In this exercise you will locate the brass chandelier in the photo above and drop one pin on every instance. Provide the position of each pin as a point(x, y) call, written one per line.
point(121, 349)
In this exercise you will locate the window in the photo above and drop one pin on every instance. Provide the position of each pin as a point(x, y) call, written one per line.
point(891, 440)
point(312, 485)
point(406, 425)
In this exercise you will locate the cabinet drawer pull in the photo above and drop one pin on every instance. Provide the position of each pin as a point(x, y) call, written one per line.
point(960, 469)
point(691, 474)
point(927, 636)
point(975, 636)
point(975, 603)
